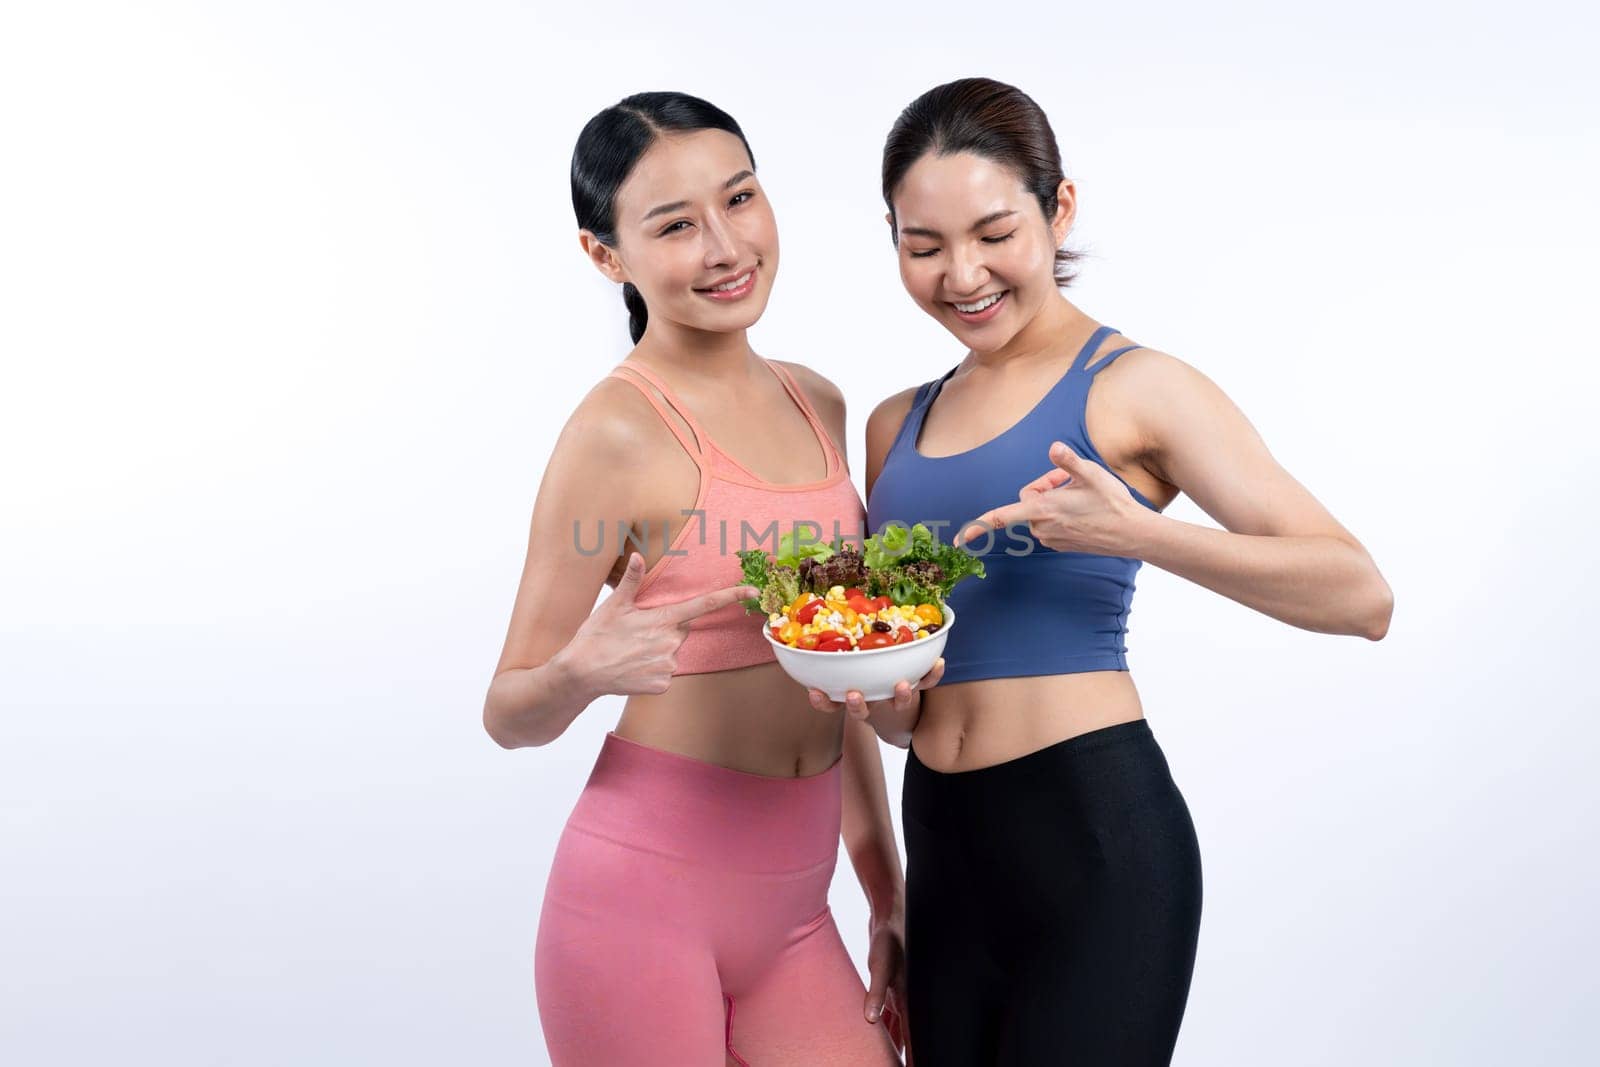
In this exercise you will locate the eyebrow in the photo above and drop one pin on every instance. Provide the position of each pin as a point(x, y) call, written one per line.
point(920, 231)
point(679, 205)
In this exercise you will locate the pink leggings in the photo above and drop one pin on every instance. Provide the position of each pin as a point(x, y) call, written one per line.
point(686, 922)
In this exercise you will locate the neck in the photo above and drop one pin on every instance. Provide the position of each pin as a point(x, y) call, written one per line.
point(700, 354)
point(1041, 335)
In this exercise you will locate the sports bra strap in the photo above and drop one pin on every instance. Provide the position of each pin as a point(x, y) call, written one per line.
point(1090, 347)
point(795, 392)
point(1106, 362)
point(692, 444)
point(912, 422)
point(831, 457)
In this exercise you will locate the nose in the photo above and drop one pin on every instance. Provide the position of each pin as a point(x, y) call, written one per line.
point(717, 241)
point(965, 273)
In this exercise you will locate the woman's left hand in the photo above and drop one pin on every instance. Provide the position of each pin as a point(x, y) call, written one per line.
point(886, 966)
point(1077, 506)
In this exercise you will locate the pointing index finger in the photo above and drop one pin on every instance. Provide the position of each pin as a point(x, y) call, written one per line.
point(1053, 478)
point(994, 519)
point(692, 608)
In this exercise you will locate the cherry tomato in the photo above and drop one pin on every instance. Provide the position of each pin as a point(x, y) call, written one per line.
point(861, 605)
point(875, 640)
point(881, 603)
point(833, 642)
point(809, 612)
point(904, 635)
point(853, 591)
point(807, 642)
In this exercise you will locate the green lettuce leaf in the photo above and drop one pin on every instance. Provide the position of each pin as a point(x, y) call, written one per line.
point(790, 553)
point(753, 563)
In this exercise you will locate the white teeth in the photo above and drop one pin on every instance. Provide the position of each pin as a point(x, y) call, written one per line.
point(980, 305)
point(726, 286)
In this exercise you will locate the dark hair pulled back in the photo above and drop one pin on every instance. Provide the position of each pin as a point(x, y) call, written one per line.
point(991, 119)
point(609, 148)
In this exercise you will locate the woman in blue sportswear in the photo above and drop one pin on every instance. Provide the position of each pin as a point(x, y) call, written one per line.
point(1053, 883)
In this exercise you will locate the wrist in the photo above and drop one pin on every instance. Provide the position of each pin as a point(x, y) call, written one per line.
point(888, 907)
point(877, 865)
point(568, 680)
point(1145, 530)
point(886, 896)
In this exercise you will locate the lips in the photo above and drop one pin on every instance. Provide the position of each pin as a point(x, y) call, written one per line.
point(982, 309)
point(731, 286)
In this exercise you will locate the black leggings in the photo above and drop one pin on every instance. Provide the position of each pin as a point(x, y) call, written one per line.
point(1052, 906)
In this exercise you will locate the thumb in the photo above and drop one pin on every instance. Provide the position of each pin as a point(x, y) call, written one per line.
point(877, 991)
point(628, 584)
point(1065, 458)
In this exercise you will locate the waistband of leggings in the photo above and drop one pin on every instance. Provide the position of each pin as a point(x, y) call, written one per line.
point(699, 811)
point(1061, 757)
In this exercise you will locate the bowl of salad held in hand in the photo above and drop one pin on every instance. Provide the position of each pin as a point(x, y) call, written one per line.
point(841, 617)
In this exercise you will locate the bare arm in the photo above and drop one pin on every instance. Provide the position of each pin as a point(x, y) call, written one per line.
point(896, 718)
point(866, 826)
point(561, 651)
point(1280, 551)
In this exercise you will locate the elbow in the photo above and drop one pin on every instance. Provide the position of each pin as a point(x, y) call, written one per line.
point(499, 726)
point(508, 739)
point(1375, 621)
point(496, 729)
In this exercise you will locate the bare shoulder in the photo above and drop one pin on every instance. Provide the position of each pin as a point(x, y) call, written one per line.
point(1149, 369)
point(825, 396)
point(614, 422)
point(1164, 416)
point(890, 413)
point(883, 426)
point(612, 416)
point(1154, 387)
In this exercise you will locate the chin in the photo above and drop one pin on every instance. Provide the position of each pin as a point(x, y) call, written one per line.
point(989, 343)
point(990, 337)
point(733, 319)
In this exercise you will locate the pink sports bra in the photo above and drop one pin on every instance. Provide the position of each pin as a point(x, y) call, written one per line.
point(736, 510)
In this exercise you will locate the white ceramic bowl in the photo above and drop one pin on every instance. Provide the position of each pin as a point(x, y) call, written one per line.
point(875, 671)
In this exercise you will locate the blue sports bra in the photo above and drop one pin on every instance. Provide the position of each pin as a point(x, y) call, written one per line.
point(1036, 611)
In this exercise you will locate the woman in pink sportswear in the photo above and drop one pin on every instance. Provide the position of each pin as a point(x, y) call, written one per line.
point(686, 920)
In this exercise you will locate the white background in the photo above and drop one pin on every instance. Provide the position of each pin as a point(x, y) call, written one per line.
point(291, 311)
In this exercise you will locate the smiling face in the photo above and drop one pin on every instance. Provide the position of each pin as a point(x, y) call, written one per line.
point(976, 252)
point(694, 234)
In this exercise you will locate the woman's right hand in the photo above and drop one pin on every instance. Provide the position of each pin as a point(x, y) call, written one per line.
point(894, 718)
point(625, 649)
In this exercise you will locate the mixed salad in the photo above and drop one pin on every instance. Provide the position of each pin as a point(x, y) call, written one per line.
point(841, 598)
